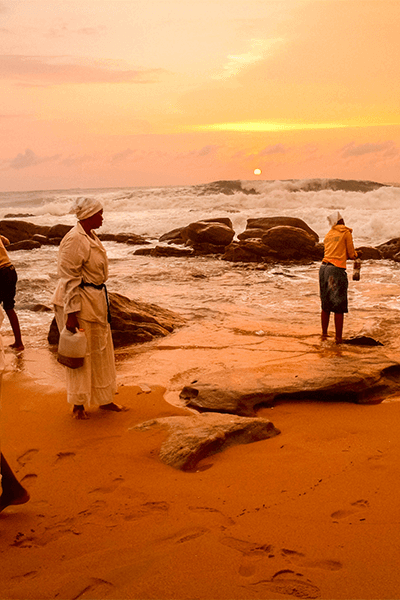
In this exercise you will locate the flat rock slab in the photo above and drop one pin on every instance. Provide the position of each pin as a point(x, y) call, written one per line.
point(365, 378)
point(192, 438)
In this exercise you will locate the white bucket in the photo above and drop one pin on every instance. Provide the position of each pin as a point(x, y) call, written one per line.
point(72, 348)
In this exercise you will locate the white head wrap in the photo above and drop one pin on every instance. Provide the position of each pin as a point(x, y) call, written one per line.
point(334, 218)
point(86, 207)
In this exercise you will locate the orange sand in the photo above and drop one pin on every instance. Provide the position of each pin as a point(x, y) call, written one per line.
point(312, 513)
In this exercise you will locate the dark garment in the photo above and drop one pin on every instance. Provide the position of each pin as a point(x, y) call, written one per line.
point(8, 282)
point(333, 286)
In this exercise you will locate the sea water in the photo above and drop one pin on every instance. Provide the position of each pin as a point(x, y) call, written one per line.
point(206, 289)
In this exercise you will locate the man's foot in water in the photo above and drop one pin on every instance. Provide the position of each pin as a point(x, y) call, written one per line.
point(113, 407)
point(18, 346)
point(79, 412)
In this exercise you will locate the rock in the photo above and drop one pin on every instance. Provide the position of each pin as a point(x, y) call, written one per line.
point(123, 238)
point(160, 251)
point(132, 322)
point(193, 438)
point(175, 236)
point(289, 242)
point(172, 237)
point(24, 245)
point(203, 232)
point(241, 393)
point(58, 231)
point(389, 249)
point(249, 251)
point(362, 340)
point(207, 249)
point(18, 215)
point(369, 253)
point(256, 228)
point(18, 231)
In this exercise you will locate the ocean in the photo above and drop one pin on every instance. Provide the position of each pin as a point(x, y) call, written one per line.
point(217, 298)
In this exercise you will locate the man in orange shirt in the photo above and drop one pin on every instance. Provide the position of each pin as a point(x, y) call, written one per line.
point(333, 282)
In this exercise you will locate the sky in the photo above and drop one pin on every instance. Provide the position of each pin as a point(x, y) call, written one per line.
point(116, 93)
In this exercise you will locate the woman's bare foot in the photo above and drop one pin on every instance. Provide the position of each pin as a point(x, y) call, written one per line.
point(113, 407)
point(79, 412)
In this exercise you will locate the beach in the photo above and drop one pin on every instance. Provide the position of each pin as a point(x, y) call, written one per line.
point(310, 513)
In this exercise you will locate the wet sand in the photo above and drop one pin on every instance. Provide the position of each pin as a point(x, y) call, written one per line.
point(311, 513)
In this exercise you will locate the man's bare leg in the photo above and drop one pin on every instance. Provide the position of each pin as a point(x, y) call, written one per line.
point(13, 491)
point(12, 316)
point(339, 318)
point(325, 322)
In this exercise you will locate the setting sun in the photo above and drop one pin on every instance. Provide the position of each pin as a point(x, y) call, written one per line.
point(257, 171)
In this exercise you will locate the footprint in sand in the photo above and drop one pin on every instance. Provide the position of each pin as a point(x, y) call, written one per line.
point(108, 489)
point(248, 548)
point(356, 507)
point(27, 456)
point(61, 455)
point(289, 583)
point(299, 559)
point(209, 512)
point(81, 588)
point(187, 535)
point(145, 509)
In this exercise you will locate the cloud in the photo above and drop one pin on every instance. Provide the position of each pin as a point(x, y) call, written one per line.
point(64, 31)
point(30, 159)
point(259, 50)
point(42, 70)
point(209, 150)
point(120, 156)
point(388, 149)
point(73, 161)
point(276, 149)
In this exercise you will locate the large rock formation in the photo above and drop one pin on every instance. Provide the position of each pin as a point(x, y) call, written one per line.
point(21, 234)
point(133, 322)
point(240, 393)
point(256, 228)
point(192, 438)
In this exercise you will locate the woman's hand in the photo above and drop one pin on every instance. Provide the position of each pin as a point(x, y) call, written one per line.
point(72, 322)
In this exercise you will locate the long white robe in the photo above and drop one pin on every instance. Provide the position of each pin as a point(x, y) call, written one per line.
point(82, 258)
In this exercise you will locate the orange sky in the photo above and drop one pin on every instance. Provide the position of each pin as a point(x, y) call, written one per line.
point(112, 93)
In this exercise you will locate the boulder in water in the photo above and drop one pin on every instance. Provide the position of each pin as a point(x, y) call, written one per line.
point(132, 322)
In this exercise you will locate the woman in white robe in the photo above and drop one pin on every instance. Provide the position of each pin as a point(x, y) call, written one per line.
point(80, 302)
point(11, 491)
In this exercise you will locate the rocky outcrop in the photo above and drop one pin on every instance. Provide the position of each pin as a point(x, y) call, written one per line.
point(133, 322)
point(281, 243)
point(389, 249)
point(192, 438)
point(205, 232)
point(369, 253)
point(223, 394)
point(256, 228)
point(289, 242)
point(218, 232)
point(21, 234)
point(159, 251)
point(18, 231)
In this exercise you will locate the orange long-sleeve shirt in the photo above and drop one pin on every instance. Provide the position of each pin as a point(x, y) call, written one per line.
point(338, 246)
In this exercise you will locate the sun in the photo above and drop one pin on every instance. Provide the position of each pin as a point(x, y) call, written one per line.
point(257, 171)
